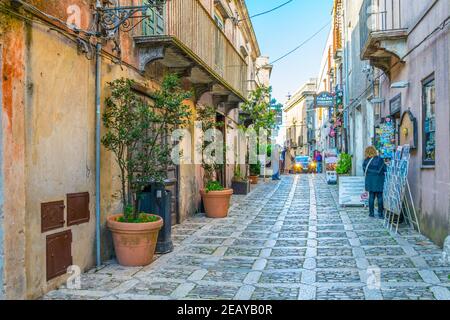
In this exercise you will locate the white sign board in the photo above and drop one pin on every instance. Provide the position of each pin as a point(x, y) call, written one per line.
point(350, 191)
point(331, 160)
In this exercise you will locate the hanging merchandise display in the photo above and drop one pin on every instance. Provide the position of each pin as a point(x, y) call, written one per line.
point(385, 139)
point(397, 196)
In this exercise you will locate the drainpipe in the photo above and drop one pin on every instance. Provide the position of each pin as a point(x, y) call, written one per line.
point(98, 65)
point(347, 82)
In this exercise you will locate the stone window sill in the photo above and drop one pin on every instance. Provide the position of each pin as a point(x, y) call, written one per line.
point(428, 167)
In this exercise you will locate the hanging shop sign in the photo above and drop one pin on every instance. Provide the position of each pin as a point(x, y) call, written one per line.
point(339, 99)
point(324, 100)
point(408, 130)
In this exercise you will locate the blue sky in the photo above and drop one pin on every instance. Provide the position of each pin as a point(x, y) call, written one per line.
point(284, 29)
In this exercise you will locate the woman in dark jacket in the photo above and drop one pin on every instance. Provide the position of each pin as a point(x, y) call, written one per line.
point(375, 169)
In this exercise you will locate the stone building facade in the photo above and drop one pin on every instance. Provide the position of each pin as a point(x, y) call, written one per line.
point(297, 109)
point(396, 57)
point(47, 145)
point(411, 54)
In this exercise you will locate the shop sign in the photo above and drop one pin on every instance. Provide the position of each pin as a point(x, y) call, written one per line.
point(324, 100)
point(339, 99)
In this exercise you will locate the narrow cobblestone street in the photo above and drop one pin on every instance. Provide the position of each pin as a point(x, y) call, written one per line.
point(286, 240)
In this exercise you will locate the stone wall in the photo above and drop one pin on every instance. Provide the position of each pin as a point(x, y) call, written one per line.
point(2, 292)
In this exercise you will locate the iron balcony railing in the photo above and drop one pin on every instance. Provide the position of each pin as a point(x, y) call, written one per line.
point(380, 16)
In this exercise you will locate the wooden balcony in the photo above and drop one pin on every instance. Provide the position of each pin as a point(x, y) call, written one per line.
point(183, 37)
point(383, 33)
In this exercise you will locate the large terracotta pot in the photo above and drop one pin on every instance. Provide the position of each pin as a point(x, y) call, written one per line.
point(134, 243)
point(253, 179)
point(216, 203)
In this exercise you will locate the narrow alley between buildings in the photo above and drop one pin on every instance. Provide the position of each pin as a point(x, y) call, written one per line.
point(286, 240)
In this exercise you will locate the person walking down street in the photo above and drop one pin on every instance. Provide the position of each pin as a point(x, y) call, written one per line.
point(318, 159)
point(276, 163)
point(283, 161)
point(374, 168)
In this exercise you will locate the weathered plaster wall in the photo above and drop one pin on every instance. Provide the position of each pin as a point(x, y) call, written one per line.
point(189, 197)
point(59, 120)
point(48, 140)
point(12, 36)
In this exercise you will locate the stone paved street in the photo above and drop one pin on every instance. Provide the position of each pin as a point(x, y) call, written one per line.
point(286, 240)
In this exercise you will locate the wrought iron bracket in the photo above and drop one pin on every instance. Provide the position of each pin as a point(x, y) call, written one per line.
point(111, 18)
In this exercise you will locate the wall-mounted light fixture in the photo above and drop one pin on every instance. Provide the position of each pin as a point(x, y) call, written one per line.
point(400, 85)
point(377, 100)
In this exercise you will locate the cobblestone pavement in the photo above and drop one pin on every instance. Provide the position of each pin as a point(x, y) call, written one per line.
point(286, 240)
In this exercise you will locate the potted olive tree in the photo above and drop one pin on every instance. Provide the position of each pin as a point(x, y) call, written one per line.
point(216, 198)
point(137, 134)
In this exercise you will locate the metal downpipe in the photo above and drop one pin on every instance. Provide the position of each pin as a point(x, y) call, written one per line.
point(97, 151)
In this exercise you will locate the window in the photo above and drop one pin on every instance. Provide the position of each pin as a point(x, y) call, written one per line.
point(154, 24)
point(429, 121)
point(219, 22)
point(219, 45)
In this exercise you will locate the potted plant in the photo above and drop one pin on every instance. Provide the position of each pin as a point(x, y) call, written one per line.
point(255, 172)
point(136, 132)
point(239, 184)
point(216, 198)
point(344, 164)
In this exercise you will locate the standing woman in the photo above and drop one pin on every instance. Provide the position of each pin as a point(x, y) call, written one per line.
point(283, 161)
point(374, 169)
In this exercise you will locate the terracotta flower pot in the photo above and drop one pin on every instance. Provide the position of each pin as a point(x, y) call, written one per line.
point(254, 179)
point(134, 243)
point(216, 203)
